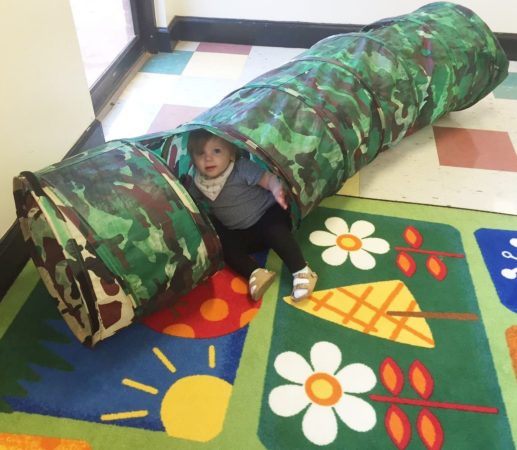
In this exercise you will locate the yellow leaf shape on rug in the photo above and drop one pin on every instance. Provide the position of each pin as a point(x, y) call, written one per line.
point(365, 307)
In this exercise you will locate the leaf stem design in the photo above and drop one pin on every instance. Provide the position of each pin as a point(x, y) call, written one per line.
point(435, 315)
point(431, 404)
point(430, 252)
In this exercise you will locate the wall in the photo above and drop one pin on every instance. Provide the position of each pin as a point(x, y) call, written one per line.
point(500, 15)
point(45, 102)
point(164, 12)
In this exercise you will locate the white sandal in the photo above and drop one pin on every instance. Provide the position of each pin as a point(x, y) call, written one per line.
point(308, 283)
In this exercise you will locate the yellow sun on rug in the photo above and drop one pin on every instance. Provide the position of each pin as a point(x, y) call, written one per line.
point(193, 408)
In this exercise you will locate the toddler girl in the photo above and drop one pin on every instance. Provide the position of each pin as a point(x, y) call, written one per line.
point(249, 210)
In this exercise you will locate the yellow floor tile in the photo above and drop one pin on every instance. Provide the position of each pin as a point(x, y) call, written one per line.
point(350, 186)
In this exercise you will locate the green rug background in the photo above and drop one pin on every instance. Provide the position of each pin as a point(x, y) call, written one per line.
point(241, 429)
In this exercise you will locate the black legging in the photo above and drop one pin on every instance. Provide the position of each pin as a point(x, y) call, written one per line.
point(273, 230)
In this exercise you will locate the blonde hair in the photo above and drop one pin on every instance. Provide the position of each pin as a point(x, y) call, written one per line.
point(198, 138)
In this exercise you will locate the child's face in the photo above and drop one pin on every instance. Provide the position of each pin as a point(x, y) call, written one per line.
point(214, 158)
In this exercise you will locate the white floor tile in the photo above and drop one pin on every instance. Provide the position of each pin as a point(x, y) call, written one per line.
point(488, 114)
point(263, 59)
point(201, 92)
point(406, 172)
point(129, 118)
point(151, 87)
point(411, 172)
point(484, 190)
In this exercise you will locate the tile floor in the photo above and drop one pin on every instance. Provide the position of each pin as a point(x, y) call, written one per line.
point(468, 159)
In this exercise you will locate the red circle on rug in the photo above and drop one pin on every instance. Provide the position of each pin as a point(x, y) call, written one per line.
point(219, 306)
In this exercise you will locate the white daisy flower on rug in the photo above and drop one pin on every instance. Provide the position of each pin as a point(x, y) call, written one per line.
point(325, 390)
point(355, 242)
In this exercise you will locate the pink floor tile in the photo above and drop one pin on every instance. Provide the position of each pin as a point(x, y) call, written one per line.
point(215, 47)
point(171, 116)
point(475, 149)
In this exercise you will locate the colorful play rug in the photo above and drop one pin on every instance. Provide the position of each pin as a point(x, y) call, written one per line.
point(410, 341)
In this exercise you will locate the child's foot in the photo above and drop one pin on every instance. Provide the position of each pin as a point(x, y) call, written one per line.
point(260, 280)
point(304, 282)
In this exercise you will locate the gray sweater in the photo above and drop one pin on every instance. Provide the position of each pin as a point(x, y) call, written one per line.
point(241, 202)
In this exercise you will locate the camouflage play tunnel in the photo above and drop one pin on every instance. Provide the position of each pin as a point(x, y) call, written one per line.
point(115, 235)
point(318, 119)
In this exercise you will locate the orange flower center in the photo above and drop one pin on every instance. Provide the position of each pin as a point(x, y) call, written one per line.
point(323, 389)
point(349, 242)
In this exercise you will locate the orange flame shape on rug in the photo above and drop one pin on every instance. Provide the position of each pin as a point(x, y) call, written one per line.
point(421, 380)
point(406, 264)
point(398, 426)
point(392, 376)
point(429, 429)
point(413, 237)
point(436, 267)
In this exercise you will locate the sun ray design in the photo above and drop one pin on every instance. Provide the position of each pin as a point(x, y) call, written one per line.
point(193, 407)
point(211, 356)
point(165, 361)
point(140, 386)
point(124, 415)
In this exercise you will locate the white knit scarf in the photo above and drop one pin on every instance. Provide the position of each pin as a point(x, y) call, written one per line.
point(211, 187)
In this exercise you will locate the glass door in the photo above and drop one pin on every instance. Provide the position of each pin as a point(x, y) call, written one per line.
point(105, 28)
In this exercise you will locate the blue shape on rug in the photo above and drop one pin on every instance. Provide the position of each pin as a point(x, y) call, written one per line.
point(499, 250)
point(94, 387)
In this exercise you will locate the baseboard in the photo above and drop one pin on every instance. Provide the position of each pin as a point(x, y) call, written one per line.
point(268, 33)
point(13, 251)
point(13, 256)
point(92, 137)
point(254, 32)
point(509, 43)
point(163, 36)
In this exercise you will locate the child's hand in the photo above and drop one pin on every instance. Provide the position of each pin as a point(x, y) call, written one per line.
point(273, 184)
point(280, 197)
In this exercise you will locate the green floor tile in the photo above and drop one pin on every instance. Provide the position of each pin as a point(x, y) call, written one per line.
point(508, 88)
point(168, 63)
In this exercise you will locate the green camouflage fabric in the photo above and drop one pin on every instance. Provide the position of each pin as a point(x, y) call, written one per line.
point(115, 235)
point(318, 119)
